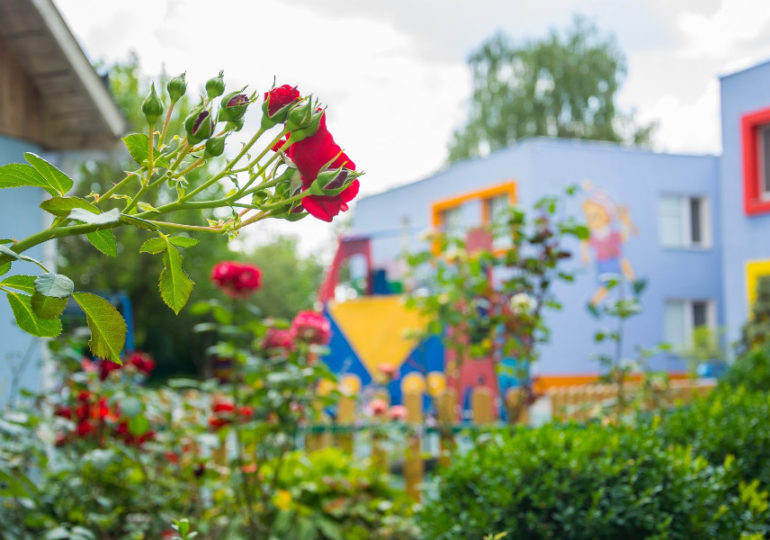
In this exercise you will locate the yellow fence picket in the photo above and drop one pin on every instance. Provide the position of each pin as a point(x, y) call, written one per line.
point(346, 410)
point(481, 405)
point(446, 404)
point(413, 465)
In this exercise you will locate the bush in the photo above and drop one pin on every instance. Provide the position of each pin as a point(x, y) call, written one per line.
point(729, 422)
point(751, 370)
point(587, 482)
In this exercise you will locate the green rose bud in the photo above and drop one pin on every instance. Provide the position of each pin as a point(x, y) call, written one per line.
point(233, 106)
point(176, 88)
point(215, 146)
point(215, 86)
point(152, 107)
point(199, 126)
point(234, 125)
point(303, 121)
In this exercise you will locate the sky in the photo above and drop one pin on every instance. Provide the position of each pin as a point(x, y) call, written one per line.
point(393, 72)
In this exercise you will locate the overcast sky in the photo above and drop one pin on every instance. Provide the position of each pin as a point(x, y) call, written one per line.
point(393, 72)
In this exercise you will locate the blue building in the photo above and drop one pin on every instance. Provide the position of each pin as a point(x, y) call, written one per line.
point(695, 227)
point(52, 102)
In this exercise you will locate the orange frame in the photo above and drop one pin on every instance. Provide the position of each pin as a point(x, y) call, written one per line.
point(440, 206)
point(753, 203)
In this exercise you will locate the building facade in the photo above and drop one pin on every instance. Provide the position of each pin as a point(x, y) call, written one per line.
point(694, 227)
point(51, 102)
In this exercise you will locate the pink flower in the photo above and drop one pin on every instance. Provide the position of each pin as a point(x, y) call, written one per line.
point(397, 412)
point(278, 338)
point(377, 407)
point(311, 327)
point(236, 280)
point(143, 362)
point(388, 370)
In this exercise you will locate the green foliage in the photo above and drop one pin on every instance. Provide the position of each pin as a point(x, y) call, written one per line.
point(587, 482)
point(108, 329)
point(751, 370)
point(331, 498)
point(756, 331)
point(564, 85)
point(729, 422)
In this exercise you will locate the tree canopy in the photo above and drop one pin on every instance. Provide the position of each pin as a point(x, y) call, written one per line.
point(563, 85)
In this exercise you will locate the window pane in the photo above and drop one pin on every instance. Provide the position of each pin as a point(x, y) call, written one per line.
point(699, 314)
point(496, 207)
point(671, 221)
point(495, 210)
point(452, 220)
point(764, 158)
point(673, 319)
point(696, 221)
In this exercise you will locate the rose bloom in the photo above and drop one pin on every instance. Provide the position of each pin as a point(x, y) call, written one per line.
point(279, 97)
point(388, 370)
point(377, 407)
point(397, 412)
point(236, 280)
point(106, 367)
point(278, 338)
point(143, 362)
point(310, 155)
point(311, 327)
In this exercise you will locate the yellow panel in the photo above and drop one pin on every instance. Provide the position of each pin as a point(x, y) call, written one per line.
point(375, 326)
point(755, 270)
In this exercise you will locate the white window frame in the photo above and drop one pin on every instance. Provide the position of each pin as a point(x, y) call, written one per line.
point(705, 207)
point(689, 328)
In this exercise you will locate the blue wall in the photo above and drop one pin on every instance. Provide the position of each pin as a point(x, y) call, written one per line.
point(543, 167)
point(19, 217)
point(744, 237)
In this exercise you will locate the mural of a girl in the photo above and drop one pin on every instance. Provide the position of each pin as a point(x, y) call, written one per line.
point(610, 226)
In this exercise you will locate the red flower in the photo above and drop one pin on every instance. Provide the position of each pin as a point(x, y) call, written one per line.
point(278, 338)
point(82, 411)
point(64, 412)
point(310, 155)
point(280, 97)
point(222, 406)
point(397, 412)
point(388, 370)
point(61, 439)
point(377, 407)
point(236, 280)
point(106, 367)
point(85, 395)
point(311, 327)
point(217, 422)
point(246, 411)
point(85, 428)
point(143, 362)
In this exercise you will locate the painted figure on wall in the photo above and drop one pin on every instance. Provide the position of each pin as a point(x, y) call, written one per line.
point(610, 226)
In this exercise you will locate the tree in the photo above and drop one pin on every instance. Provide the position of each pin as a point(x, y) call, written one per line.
point(560, 86)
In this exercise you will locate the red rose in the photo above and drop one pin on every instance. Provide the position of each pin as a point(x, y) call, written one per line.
point(397, 412)
point(311, 327)
point(85, 428)
point(278, 338)
point(280, 97)
point(216, 422)
point(388, 370)
point(64, 412)
point(246, 411)
point(377, 407)
point(223, 407)
point(106, 367)
point(310, 155)
point(82, 411)
point(85, 395)
point(236, 280)
point(143, 362)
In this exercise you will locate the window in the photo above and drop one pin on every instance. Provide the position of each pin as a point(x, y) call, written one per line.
point(684, 222)
point(755, 135)
point(682, 317)
point(495, 209)
point(452, 221)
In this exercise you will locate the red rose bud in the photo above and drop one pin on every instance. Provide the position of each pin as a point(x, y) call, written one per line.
point(233, 106)
point(176, 88)
point(245, 411)
point(275, 108)
point(199, 126)
point(377, 407)
point(236, 280)
point(106, 367)
point(222, 407)
point(84, 395)
point(85, 428)
point(152, 107)
point(215, 146)
point(215, 86)
point(63, 412)
point(215, 422)
point(143, 362)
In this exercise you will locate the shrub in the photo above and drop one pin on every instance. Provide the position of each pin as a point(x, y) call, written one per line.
point(729, 422)
point(751, 370)
point(586, 482)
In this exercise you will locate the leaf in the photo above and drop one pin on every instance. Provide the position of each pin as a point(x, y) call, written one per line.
point(153, 245)
point(47, 307)
point(104, 241)
point(183, 241)
point(139, 222)
point(175, 286)
point(138, 425)
point(146, 207)
point(56, 285)
point(136, 144)
point(108, 329)
point(21, 306)
point(62, 206)
point(55, 178)
point(111, 216)
point(20, 283)
point(5, 268)
point(20, 175)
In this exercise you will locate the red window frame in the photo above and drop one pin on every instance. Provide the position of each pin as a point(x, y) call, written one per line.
point(752, 194)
